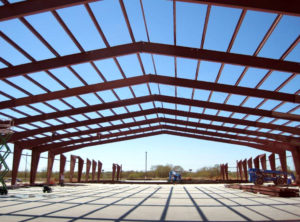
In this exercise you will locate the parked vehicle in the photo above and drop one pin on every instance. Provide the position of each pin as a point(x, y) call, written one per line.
point(259, 177)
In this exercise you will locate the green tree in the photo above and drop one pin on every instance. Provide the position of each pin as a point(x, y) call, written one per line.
point(161, 171)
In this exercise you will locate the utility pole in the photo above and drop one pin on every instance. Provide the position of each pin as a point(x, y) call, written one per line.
point(146, 165)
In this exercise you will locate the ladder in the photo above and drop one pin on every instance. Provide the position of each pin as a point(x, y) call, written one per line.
point(5, 134)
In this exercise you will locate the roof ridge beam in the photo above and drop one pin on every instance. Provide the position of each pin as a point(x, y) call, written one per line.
point(154, 48)
point(25, 8)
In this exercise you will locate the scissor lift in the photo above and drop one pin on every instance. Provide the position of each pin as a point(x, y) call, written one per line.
point(5, 133)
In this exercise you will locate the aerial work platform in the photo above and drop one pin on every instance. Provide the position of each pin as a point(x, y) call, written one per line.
point(5, 133)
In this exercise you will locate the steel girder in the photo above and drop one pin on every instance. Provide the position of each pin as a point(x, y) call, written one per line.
point(25, 8)
point(33, 143)
point(155, 79)
point(75, 147)
point(159, 98)
point(154, 48)
point(266, 143)
point(22, 135)
point(288, 7)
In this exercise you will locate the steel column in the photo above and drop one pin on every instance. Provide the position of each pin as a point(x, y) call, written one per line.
point(272, 161)
point(35, 157)
point(296, 158)
point(94, 166)
point(256, 162)
point(222, 171)
point(282, 158)
point(16, 162)
point(72, 167)
point(250, 163)
point(113, 172)
point(87, 172)
point(226, 171)
point(237, 170)
point(245, 169)
point(118, 171)
point(62, 165)
point(99, 170)
point(51, 157)
point(80, 168)
point(263, 161)
point(240, 164)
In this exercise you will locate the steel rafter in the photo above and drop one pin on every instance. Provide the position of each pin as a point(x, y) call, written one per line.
point(159, 98)
point(287, 7)
point(155, 48)
point(25, 8)
point(22, 135)
point(47, 147)
point(33, 143)
point(163, 131)
point(152, 79)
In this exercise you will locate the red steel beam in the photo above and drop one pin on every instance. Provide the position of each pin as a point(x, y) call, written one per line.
point(44, 148)
point(87, 172)
point(72, 167)
point(155, 79)
point(25, 8)
point(41, 141)
point(99, 170)
point(160, 98)
point(166, 128)
point(62, 164)
point(21, 135)
point(50, 166)
point(153, 48)
point(72, 148)
point(287, 7)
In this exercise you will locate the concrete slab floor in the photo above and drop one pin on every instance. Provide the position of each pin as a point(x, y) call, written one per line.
point(122, 202)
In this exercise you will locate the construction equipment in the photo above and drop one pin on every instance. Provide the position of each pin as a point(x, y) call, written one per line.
point(5, 134)
point(174, 176)
point(267, 190)
point(258, 177)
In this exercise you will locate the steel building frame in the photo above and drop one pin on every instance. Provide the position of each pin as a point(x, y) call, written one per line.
point(268, 136)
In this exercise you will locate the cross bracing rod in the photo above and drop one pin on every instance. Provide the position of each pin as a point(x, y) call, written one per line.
point(158, 98)
point(41, 141)
point(22, 135)
point(163, 131)
point(48, 147)
point(287, 7)
point(25, 8)
point(153, 48)
point(195, 84)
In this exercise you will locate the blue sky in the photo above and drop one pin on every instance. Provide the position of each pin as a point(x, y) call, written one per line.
point(163, 149)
